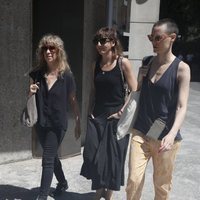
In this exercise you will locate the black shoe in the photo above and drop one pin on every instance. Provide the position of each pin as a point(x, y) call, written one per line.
point(61, 187)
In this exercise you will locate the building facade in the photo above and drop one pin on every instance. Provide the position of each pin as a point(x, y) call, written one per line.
point(22, 24)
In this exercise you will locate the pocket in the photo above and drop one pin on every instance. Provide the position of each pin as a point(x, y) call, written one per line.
point(137, 136)
point(176, 145)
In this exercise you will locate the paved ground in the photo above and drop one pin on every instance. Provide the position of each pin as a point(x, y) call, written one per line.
point(20, 180)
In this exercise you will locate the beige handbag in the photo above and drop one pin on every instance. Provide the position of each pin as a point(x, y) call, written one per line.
point(29, 115)
point(128, 117)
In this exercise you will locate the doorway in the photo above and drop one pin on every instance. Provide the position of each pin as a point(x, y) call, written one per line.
point(65, 19)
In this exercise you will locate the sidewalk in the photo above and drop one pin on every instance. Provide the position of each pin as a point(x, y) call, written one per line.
point(20, 180)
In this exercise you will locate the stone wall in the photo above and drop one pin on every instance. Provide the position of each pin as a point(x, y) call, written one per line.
point(15, 62)
point(144, 13)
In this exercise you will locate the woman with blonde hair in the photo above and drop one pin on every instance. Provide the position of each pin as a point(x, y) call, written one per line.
point(53, 83)
point(104, 155)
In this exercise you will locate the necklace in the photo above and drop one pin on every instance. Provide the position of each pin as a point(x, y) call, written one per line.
point(107, 67)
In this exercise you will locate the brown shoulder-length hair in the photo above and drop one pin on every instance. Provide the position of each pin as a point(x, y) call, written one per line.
point(62, 58)
point(110, 33)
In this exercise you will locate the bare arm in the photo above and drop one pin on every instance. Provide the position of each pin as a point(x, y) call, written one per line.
point(129, 74)
point(184, 85)
point(130, 78)
point(75, 109)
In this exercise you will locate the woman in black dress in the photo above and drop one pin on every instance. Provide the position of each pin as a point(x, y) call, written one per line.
point(104, 155)
point(54, 85)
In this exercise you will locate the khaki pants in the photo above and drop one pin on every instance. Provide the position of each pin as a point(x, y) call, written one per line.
point(141, 150)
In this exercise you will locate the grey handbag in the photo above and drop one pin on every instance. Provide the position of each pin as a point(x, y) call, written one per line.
point(156, 129)
point(29, 115)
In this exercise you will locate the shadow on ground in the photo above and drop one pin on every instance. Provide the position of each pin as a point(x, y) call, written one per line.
point(76, 196)
point(10, 192)
point(195, 86)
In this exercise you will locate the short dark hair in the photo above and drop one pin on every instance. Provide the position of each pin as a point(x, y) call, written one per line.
point(171, 25)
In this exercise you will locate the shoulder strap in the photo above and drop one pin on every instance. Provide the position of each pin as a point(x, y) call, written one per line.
point(38, 75)
point(120, 67)
point(147, 60)
point(35, 74)
point(125, 85)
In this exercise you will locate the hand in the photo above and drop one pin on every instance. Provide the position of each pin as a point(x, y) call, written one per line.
point(166, 143)
point(34, 88)
point(77, 130)
point(115, 115)
point(92, 116)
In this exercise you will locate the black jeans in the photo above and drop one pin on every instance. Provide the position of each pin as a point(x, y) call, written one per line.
point(50, 139)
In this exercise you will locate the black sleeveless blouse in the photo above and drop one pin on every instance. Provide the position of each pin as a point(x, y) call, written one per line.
point(109, 91)
point(159, 100)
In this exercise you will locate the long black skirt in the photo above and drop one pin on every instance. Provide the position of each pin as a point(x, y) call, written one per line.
point(104, 156)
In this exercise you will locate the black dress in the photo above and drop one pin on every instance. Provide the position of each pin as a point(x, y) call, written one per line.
point(104, 156)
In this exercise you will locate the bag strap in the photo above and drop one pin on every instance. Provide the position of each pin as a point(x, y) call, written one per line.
point(36, 73)
point(37, 77)
point(121, 70)
point(122, 73)
point(146, 61)
point(125, 85)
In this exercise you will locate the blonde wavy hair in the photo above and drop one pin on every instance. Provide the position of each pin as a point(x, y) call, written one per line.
point(62, 58)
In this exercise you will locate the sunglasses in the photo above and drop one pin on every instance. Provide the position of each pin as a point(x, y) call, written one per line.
point(50, 48)
point(102, 41)
point(157, 38)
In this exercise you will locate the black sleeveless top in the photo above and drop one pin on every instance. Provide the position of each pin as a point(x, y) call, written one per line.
point(109, 91)
point(159, 100)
